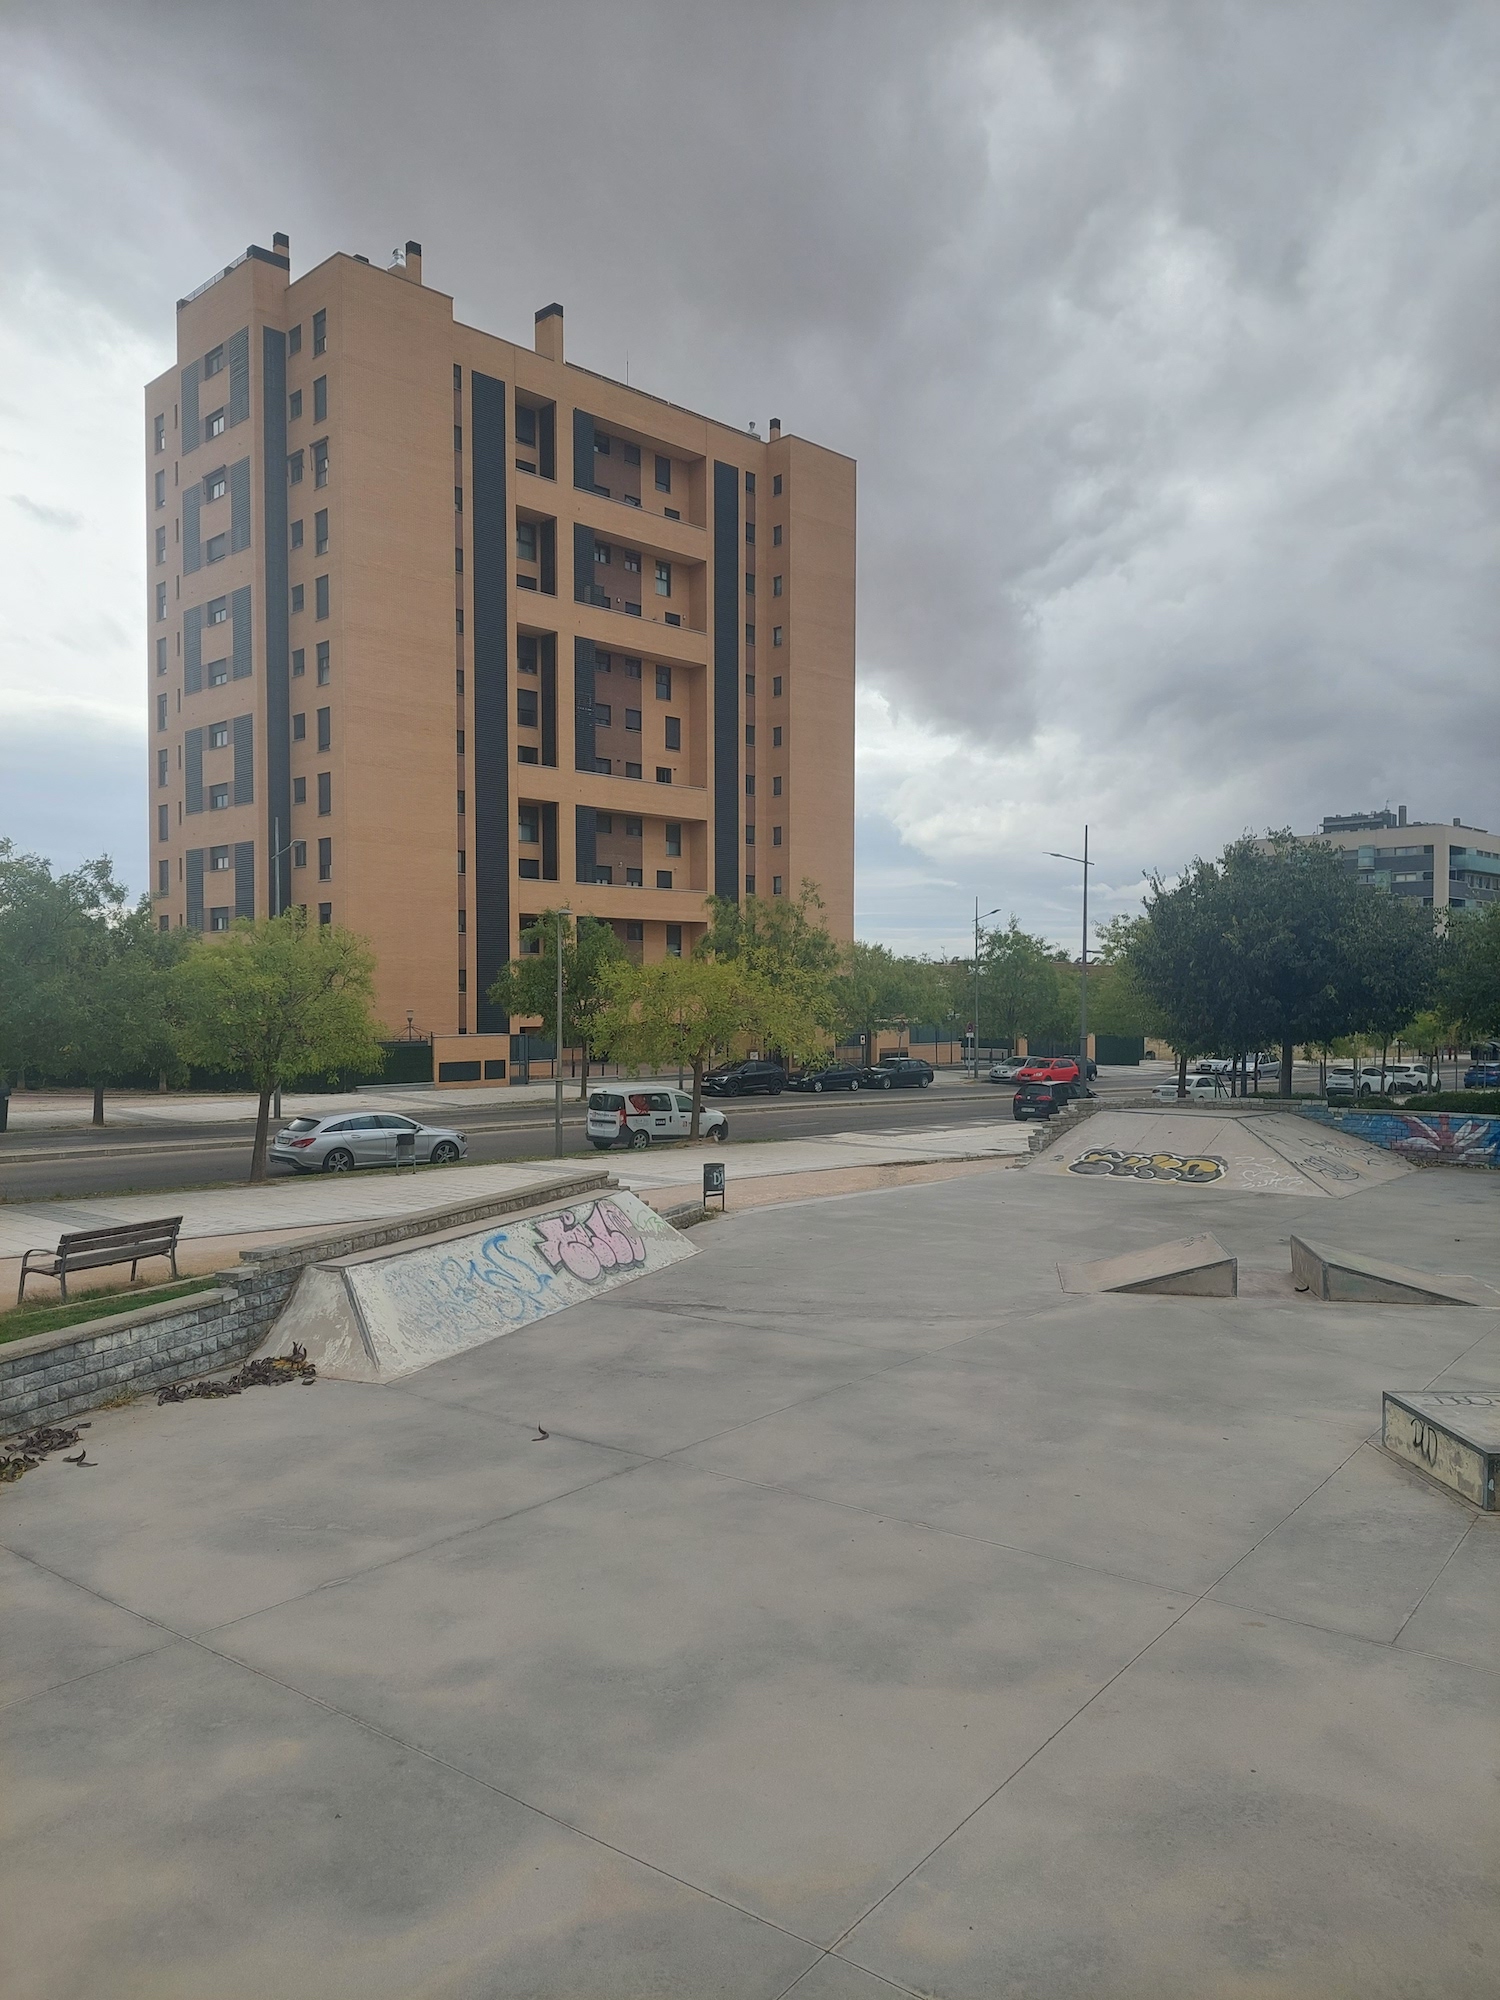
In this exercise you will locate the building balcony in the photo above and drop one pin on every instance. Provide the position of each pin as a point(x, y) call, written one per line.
point(612, 630)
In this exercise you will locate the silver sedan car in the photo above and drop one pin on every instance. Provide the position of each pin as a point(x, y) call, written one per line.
point(352, 1139)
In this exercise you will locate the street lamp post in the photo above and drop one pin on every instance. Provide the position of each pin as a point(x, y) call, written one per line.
point(557, 1044)
point(1082, 861)
point(989, 913)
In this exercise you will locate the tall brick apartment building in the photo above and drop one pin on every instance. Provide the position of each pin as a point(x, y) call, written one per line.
point(445, 631)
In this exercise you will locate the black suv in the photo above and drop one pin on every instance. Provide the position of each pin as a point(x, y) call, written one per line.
point(897, 1073)
point(744, 1079)
point(1037, 1098)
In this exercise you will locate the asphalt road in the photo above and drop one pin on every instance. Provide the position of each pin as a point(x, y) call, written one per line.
point(38, 1165)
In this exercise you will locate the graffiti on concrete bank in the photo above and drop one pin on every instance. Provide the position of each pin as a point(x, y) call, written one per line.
point(590, 1241)
point(1195, 1169)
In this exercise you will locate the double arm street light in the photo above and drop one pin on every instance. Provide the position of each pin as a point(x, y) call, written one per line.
point(1082, 861)
point(557, 1044)
point(989, 913)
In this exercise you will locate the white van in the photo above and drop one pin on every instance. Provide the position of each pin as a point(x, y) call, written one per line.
point(636, 1116)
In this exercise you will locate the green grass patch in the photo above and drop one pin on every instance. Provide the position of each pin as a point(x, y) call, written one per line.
point(1484, 1103)
point(25, 1320)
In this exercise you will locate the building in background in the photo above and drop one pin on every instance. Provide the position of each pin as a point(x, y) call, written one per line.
point(446, 631)
point(1445, 865)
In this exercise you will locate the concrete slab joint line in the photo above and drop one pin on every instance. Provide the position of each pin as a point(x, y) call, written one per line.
point(1349, 1277)
point(1189, 1267)
point(1451, 1435)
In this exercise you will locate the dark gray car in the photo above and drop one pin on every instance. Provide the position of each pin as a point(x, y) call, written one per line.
point(361, 1139)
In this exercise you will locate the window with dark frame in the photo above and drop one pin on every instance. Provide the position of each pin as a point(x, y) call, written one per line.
point(320, 332)
point(320, 400)
point(320, 532)
point(323, 666)
point(673, 732)
point(325, 728)
point(325, 793)
point(325, 860)
point(294, 406)
point(299, 728)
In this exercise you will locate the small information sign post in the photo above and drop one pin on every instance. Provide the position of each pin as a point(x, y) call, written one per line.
point(406, 1149)
point(713, 1183)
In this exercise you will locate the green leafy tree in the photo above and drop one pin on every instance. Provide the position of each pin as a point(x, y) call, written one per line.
point(685, 1011)
point(873, 989)
point(1468, 984)
point(782, 940)
point(1019, 992)
point(527, 986)
point(277, 999)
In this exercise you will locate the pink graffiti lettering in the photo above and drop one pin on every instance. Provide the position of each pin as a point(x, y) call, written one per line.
point(590, 1243)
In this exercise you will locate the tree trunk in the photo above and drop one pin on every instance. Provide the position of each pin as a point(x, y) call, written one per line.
point(697, 1095)
point(98, 1103)
point(161, 1081)
point(262, 1123)
point(1182, 1076)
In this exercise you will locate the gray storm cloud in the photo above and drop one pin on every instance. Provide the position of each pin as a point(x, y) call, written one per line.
point(1164, 336)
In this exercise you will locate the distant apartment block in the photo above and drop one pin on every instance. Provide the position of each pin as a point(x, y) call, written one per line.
point(446, 631)
point(1443, 864)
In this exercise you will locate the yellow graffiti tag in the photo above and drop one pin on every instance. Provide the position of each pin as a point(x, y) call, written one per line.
point(1148, 1166)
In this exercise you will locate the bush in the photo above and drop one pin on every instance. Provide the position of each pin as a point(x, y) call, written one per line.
point(1482, 1102)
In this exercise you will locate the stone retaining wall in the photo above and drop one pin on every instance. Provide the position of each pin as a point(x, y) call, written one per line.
point(50, 1376)
point(1423, 1138)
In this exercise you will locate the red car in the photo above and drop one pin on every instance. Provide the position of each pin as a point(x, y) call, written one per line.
point(1050, 1069)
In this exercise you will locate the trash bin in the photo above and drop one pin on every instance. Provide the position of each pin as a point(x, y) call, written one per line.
point(406, 1149)
point(4, 1106)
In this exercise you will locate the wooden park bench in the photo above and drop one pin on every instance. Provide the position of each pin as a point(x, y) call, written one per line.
point(92, 1249)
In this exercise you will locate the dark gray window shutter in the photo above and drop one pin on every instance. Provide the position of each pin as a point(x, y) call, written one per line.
point(239, 611)
point(549, 841)
point(244, 878)
point(548, 676)
point(195, 886)
point(192, 554)
point(192, 650)
point(238, 347)
point(546, 441)
point(584, 753)
point(191, 429)
point(583, 562)
point(242, 735)
point(239, 504)
point(583, 450)
point(585, 843)
point(192, 774)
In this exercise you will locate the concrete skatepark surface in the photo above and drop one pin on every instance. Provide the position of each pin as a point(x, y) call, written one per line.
point(1254, 1151)
point(874, 1617)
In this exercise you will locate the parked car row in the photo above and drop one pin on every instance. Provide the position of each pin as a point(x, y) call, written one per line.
point(744, 1079)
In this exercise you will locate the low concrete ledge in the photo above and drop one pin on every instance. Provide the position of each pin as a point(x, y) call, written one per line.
point(1453, 1435)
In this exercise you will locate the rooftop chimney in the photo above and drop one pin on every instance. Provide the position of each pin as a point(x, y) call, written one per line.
point(413, 266)
point(1456, 820)
point(775, 427)
point(281, 243)
point(549, 332)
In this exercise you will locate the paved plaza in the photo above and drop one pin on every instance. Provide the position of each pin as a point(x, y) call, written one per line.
point(873, 1616)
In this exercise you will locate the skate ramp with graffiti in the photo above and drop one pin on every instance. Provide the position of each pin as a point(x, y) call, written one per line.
point(1253, 1152)
point(381, 1314)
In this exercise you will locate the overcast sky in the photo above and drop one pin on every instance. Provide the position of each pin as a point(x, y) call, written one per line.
point(1164, 335)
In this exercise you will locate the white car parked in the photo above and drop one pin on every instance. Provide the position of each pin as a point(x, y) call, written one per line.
point(1200, 1090)
point(638, 1117)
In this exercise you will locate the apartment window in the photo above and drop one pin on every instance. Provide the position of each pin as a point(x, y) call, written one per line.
point(161, 656)
point(775, 635)
point(299, 596)
point(299, 663)
point(296, 534)
point(299, 791)
point(749, 583)
point(776, 737)
point(674, 837)
point(631, 560)
point(161, 767)
point(294, 468)
point(320, 593)
point(750, 531)
point(776, 489)
point(218, 920)
point(671, 514)
point(776, 536)
point(601, 444)
point(749, 482)
point(294, 340)
point(634, 878)
point(463, 923)
point(458, 499)
point(776, 788)
point(634, 826)
point(526, 653)
point(218, 611)
point(749, 635)
point(325, 860)
point(161, 602)
point(750, 834)
point(526, 541)
point(632, 610)
point(776, 836)
point(674, 732)
point(216, 548)
point(604, 766)
point(163, 828)
point(529, 824)
point(664, 774)
point(320, 400)
point(161, 436)
point(631, 453)
point(603, 714)
point(749, 735)
point(674, 940)
point(218, 798)
point(527, 753)
point(630, 668)
point(601, 552)
point(459, 677)
point(458, 620)
point(632, 718)
point(525, 424)
point(775, 684)
point(663, 474)
point(750, 785)
point(320, 462)
point(218, 736)
point(749, 885)
point(463, 861)
point(325, 728)
point(294, 406)
point(163, 877)
point(775, 885)
point(529, 871)
point(161, 545)
point(458, 564)
point(323, 666)
point(603, 873)
point(325, 793)
point(526, 708)
point(161, 489)
point(161, 711)
point(325, 913)
point(663, 579)
point(218, 859)
point(749, 683)
point(213, 361)
point(214, 424)
point(632, 770)
point(463, 804)
point(320, 332)
point(299, 853)
point(217, 672)
point(776, 586)
point(320, 532)
point(663, 878)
